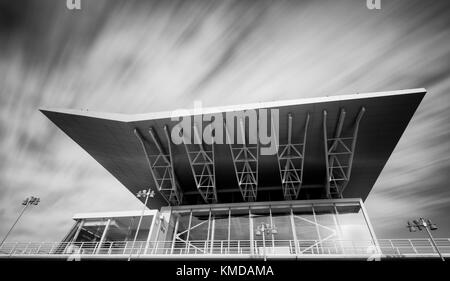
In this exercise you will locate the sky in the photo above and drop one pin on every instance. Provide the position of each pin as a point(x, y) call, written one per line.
point(147, 56)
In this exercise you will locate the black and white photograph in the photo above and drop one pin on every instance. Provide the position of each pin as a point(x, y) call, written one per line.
point(224, 139)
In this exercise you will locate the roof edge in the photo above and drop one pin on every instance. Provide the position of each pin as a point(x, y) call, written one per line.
point(229, 108)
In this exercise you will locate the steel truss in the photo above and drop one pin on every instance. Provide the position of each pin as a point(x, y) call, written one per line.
point(291, 157)
point(339, 152)
point(245, 162)
point(202, 165)
point(161, 168)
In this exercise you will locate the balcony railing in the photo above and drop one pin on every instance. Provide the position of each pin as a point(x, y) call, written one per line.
point(224, 248)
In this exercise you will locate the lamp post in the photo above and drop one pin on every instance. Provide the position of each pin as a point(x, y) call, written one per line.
point(142, 193)
point(263, 229)
point(427, 225)
point(26, 202)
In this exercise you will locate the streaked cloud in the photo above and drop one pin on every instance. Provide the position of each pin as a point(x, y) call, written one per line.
point(137, 57)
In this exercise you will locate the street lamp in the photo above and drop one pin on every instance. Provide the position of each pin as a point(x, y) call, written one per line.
point(141, 194)
point(426, 224)
point(26, 202)
point(265, 229)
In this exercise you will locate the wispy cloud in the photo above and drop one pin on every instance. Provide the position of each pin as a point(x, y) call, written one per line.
point(136, 57)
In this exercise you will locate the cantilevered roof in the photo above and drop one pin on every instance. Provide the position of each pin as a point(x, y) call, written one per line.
point(361, 131)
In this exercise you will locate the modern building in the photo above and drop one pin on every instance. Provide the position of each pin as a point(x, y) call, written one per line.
point(227, 194)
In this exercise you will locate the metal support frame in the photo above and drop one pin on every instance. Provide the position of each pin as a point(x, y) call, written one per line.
point(161, 167)
point(320, 240)
point(339, 152)
point(291, 158)
point(245, 162)
point(188, 232)
point(203, 168)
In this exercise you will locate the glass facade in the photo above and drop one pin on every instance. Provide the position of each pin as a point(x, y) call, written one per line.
point(298, 227)
point(280, 228)
point(107, 235)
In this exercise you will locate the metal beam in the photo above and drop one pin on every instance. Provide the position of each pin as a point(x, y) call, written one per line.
point(294, 233)
point(339, 152)
point(251, 229)
point(161, 168)
point(291, 158)
point(203, 168)
point(80, 226)
point(102, 239)
point(245, 161)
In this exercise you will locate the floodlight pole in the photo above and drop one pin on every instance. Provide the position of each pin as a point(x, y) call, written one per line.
point(28, 201)
point(262, 228)
point(427, 225)
point(147, 193)
point(431, 238)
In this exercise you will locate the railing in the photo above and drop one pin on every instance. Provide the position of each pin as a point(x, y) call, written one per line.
point(223, 248)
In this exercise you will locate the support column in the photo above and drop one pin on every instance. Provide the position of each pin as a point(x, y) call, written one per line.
point(229, 228)
point(338, 227)
point(339, 153)
point(271, 226)
point(250, 220)
point(188, 246)
point(294, 233)
point(212, 233)
point(317, 227)
point(209, 231)
point(99, 246)
point(150, 231)
point(155, 248)
point(74, 239)
point(369, 225)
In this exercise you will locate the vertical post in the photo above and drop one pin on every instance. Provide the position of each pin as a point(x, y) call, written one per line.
point(317, 228)
point(325, 142)
point(338, 227)
point(229, 228)
point(80, 226)
point(150, 232)
point(250, 220)
point(209, 231)
point(188, 233)
point(175, 230)
point(103, 236)
point(155, 248)
point(271, 226)
point(264, 241)
point(369, 225)
point(431, 238)
point(294, 232)
point(212, 233)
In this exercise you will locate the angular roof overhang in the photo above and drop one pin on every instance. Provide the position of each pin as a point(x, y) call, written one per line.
point(361, 131)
